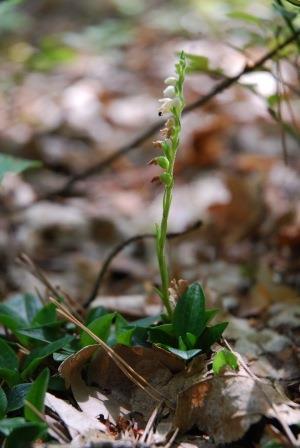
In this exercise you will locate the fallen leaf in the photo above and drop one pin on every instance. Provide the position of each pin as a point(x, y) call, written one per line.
point(225, 407)
point(77, 422)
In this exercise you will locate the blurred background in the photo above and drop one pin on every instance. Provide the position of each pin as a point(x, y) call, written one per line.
point(81, 79)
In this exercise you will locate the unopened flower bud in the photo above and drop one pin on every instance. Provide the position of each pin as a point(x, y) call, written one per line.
point(166, 146)
point(166, 179)
point(163, 162)
point(171, 81)
point(169, 92)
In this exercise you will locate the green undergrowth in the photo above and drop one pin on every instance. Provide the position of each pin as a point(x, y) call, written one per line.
point(35, 341)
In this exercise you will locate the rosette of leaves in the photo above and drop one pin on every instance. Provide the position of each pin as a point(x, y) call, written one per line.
point(189, 332)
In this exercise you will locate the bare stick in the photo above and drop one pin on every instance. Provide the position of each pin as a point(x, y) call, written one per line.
point(119, 249)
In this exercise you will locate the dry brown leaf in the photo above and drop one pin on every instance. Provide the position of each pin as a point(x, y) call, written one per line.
point(117, 395)
point(226, 406)
point(77, 422)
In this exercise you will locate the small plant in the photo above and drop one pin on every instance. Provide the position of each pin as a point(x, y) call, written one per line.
point(173, 104)
point(185, 332)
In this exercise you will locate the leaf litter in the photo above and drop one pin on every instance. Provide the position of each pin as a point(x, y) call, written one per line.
point(248, 202)
point(222, 406)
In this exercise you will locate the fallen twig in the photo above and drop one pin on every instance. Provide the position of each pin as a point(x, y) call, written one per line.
point(122, 246)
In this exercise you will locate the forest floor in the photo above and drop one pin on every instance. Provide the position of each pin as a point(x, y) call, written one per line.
point(231, 174)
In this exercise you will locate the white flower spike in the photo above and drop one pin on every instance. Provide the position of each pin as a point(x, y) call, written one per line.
point(173, 104)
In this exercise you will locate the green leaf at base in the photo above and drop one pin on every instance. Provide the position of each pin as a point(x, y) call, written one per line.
point(36, 396)
point(212, 335)
point(100, 327)
point(223, 359)
point(189, 314)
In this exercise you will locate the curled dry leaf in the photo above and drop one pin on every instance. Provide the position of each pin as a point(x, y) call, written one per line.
point(116, 395)
point(223, 406)
point(226, 406)
point(77, 422)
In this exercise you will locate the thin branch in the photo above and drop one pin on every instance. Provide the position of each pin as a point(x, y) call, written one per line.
point(123, 150)
point(120, 247)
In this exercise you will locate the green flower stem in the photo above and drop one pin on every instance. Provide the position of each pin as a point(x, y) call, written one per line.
point(170, 146)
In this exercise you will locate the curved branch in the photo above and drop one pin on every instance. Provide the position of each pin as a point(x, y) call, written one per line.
point(122, 246)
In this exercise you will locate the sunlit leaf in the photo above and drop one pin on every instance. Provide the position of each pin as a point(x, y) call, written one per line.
point(222, 359)
point(100, 327)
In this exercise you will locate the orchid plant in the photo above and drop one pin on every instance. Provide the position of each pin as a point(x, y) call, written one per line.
point(171, 104)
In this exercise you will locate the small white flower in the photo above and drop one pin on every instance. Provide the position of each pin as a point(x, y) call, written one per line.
point(167, 104)
point(169, 92)
point(171, 81)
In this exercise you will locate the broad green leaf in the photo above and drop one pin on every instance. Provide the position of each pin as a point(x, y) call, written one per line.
point(222, 359)
point(184, 354)
point(22, 437)
point(212, 335)
point(10, 376)
point(9, 164)
point(3, 403)
point(190, 340)
point(37, 355)
point(127, 333)
point(57, 383)
point(8, 358)
point(100, 327)
point(10, 319)
point(25, 306)
point(146, 321)
point(163, 334)
point(45, 315)
point(121, 323)
point(181, 345)
point(94, 313)
point(44, 333)
point(19, 432)
point(64, 354)
point(140, 336)
point(16, 395)
point(189, 314)
point(210, 314)
point(36, 396)
point(124, 336)
point(7, 425)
